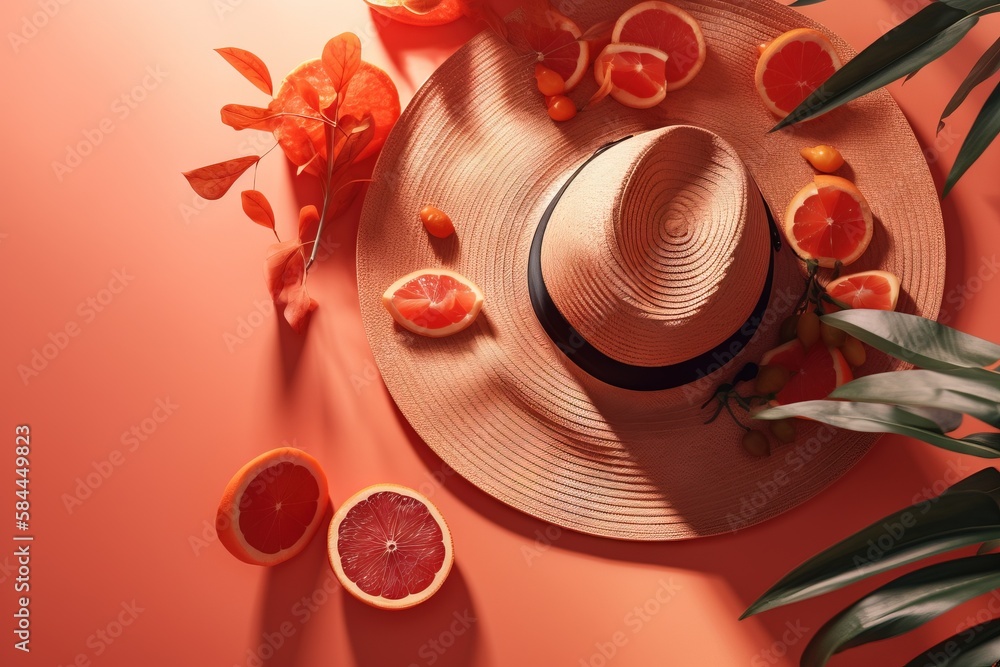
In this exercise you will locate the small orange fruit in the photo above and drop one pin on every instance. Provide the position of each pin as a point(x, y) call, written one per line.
point(549, 82)
point(823, 158)
point(436, 222)
point(561, 108)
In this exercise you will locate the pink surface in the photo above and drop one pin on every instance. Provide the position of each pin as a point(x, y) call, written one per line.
point(169, 370)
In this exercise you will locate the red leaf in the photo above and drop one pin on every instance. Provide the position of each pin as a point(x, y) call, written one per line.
point(257, 208)
point(243, 117)
point(250, 66)
point(308, 223)
point(213, 181)
point(604, 90)
point(284, 273)
point(316, 166)
point(481, 10)
point(353, 136)
point(341, 59)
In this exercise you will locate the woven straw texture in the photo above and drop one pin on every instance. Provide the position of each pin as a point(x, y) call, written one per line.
point(499, 402)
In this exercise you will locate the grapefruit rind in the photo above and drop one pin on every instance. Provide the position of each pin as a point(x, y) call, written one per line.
point(651, 5)
point(461, 325)
point(378, 601)
point(227, 518)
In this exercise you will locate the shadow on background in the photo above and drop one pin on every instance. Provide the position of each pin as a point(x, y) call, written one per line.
point(442, 631)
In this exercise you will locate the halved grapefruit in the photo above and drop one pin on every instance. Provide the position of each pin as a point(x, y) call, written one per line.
point(433, 302)
point(419, 12)
point(813, 373)
point(670, 29)
point(557, 45)
point(829, 220)
point(791, 67)
point(390, 547)
point(369, 91)
point(869, 289)
point(638, 74)
point(272, 507)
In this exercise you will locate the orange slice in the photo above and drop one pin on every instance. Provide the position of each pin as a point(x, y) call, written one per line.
point(557, 46)
point(419, 12)
point(272, 507)
point(829, 220)
point(813, 374)
point(433, 302)
point(792, 66)
point(637, 74)
point(670, 29)
point(390, 547)
point(369, 91)
point(869, 289)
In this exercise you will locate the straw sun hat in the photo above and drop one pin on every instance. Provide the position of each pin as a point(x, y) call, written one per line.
point(629, 267)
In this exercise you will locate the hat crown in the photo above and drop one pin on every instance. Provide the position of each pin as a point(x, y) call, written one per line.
point(657, 251)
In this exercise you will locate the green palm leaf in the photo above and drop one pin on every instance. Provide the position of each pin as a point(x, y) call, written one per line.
point(984, 130)
point(986, 67)
point(904, 604)
point(974, 647)
point(961, 516)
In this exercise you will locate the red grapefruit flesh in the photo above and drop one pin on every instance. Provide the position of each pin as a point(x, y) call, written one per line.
point(557, 46)
point(272, 507)
point(829, 220)
point(369, 91)
point(878, 290)
point(390, 547)
point(793, 66)
point(670, 29)
point(637, 73)
point(814, 373)
point(433, 302)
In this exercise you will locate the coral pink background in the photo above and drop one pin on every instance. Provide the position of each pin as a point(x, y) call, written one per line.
point(181, 345)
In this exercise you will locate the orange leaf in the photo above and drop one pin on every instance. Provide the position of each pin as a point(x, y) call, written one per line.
point(341, 59)
point(250, 66)
point(316, 166)
point(482, 10)
point(242, 117)
point(213, 181)
point(285, 275)
point(307, 92)
point(257, 208)
point(308, 223)
point(604, 90)
point(353, 136)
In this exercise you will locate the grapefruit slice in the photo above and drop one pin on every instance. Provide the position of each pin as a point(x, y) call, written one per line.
point(638, 74)
point(433, 302)
point(419, 12)
point(272, 507)
point(390, 547)
point(869, 289)
point(670, 29)
point(557, 46)
point(829, 220)
point(792, 66)
point(813, 373)
point(369, 91)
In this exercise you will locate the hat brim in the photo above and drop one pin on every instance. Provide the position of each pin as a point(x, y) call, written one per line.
point(509, 411)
